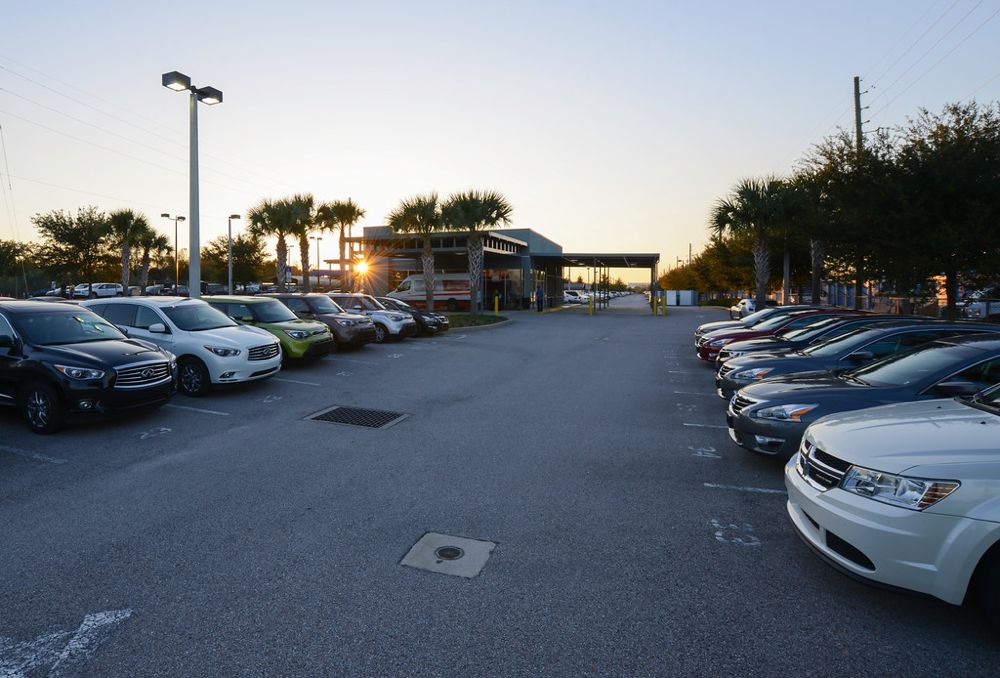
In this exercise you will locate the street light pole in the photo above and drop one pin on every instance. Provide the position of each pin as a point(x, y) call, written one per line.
point(179, 82)
point(230, 221)
point(177, 265)
point(318, 240)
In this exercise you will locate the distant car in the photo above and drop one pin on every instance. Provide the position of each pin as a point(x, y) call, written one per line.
point(770, 417)
point(94, 290)
point(349, 329)
point(981, 305)
point(388, 324)
point(299, 338)
point(905, 496)
point(573, 297)
point(210, 347)
point(710, 345)
point(749, 321)
point(61, 362)
point(848, 351)
point(427, 323)
point(742, 308)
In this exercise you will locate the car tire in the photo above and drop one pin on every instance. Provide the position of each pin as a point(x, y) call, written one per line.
point(92, 295)
point(41, 408)
point(381, 334)
point(192, 378)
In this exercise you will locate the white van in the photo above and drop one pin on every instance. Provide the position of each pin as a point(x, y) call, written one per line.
point(451, 291)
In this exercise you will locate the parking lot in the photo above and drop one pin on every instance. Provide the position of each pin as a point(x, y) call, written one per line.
point(233, 535)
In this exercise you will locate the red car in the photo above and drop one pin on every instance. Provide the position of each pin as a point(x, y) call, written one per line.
point(709, 345)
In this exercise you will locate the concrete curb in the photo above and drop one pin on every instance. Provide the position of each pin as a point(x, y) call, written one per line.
point(474, 328)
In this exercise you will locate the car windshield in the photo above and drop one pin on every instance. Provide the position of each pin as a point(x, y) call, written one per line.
point(401, 305)
point(197, 316)
point(324, 304)
point(909, 367)
point(989, 398)
point(371, 304)
point(759, 315)
point(845, 342)
point(772, 323)
point(54, 329)
point(811, 330)
point(272, 311)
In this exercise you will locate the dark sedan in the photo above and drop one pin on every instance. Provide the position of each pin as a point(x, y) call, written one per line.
point(771, 417)
point(747, 321)
point(708, 346)
point(854, 349)
point(427, 323)
point(349, 330)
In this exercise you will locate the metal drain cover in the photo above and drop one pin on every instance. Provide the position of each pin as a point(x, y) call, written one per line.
point(447, 554)
point(358, 416)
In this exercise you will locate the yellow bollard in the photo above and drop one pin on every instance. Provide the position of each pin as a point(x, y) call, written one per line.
point(496, 305)
point(664, 306)
point(590, 306)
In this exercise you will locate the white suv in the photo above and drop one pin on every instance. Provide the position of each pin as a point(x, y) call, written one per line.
point(210, 348)
point(388, 324)
point(94, 290)
point(906, 495)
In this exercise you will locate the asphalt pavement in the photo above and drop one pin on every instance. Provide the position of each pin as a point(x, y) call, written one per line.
point(233, 535)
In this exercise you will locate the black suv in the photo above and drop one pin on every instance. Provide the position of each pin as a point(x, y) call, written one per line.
point(60, 361)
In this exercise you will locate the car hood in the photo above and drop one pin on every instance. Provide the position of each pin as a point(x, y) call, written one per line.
point(331, 317)
point(780, 363)
point(894, 438)
point(115, 352)
point(297, 324)
point(720, 325)
point(244, 336)
point(823, 387)
point(759, 344)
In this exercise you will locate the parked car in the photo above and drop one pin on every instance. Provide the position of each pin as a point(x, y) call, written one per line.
point(573, 297)
point(709, 346)
point(905, 496)
point(349, 329)
point(388, 324)
point(450, 289)
point(427, 323)
point(61, 362)
point(300, 339)
point(749, 321)
point(981, 304)
point(770, 417)
point(94, 290)
point(742, 308)
point(814, 333)
point(210, 347)
point(854, 349)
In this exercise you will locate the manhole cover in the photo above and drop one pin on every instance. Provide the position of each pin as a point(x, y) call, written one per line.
point(448, 554)
point(357, 416)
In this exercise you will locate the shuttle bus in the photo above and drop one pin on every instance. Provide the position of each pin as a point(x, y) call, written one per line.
point(451, 291)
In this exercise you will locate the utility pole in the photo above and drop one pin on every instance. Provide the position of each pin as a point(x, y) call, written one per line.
point(859, 143)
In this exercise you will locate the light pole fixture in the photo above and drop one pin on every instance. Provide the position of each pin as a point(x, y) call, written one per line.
point(230, 221)
point(318, 240)
point(179, 82)
point(177, 266)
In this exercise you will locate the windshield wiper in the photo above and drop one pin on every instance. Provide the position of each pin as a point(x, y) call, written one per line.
point(856, 380)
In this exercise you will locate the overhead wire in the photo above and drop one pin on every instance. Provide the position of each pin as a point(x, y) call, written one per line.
point(920, 37)
point(13, 207)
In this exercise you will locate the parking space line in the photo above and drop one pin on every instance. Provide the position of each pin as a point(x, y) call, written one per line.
point(705, 425)
point(32, 455)
point(197, 409)
point(296, 381)
point(681, 372)
point(348, 360)
point(697, 393)
point(740, 488)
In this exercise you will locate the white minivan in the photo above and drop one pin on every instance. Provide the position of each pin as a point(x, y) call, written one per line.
point(210, 347)
point(451, 290)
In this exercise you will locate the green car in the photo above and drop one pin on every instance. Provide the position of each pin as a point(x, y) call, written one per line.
point(299, 338)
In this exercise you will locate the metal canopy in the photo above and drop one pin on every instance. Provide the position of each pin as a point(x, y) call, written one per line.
point(602, 259)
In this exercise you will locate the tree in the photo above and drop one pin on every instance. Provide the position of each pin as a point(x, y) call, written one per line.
point(752, 209)
point(420, 215)
point(277, 218)
point(127, 229)
point(340, 215)
point(249, 257)
point(74, 246)
point(475, 212)
point(302, 205)
point(153, 245)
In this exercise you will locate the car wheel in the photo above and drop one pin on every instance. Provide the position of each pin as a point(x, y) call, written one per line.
point(987, 587)
point(193, 379)
point(381, 334)
point(92, 295)
point(41, 408)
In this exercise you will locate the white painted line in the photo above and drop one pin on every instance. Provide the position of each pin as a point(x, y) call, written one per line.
point(695, 393)
point(698, 425)
point(196, 409)
point(32, 455)
point(680, 372)
point(21, 659)
point(295, 381)
point(348, 360)
point(740, 488)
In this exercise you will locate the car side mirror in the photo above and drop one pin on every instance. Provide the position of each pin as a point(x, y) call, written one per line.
point(157, 328)
point(951, 389)
point(861, 356)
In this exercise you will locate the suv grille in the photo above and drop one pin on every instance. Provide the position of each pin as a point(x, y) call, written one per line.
point(739, 403)
point(139, 376)
point(265, 352)
point(824, 470)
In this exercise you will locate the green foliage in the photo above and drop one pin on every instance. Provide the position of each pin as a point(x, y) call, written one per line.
point(74, 247)
point(250, 263)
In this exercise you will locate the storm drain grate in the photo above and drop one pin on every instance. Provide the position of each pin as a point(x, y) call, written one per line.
point(358, 416)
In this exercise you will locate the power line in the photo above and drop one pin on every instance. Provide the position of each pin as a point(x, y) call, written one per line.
point(889, 51)
point(917, 41)
point(13, 207)
point(982, 86)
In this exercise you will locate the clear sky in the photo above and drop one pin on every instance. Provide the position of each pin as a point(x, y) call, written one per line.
point(610, 126)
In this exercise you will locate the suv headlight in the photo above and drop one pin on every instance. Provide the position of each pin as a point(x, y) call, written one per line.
point(345, 323)
point(223, 351)
point(754, 373)
point(297, 334)
point(80, 373)
point(911, 493)
point(784, 412)
point(397, 318)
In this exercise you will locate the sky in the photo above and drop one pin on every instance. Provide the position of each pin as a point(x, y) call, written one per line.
point(609, 126)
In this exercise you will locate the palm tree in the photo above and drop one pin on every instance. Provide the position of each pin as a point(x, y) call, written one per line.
point(127, 231)
point(153, 245)
point(275, 218)
point(304, 221)
point(752, 209)
point(420, 215)
point(340, 215)
point(475, 212)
